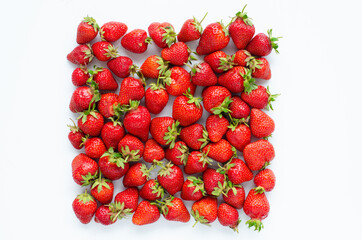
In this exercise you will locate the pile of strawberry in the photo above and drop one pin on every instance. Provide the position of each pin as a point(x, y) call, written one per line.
point(202, 160)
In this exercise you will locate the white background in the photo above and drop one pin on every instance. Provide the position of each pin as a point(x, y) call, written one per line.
point(318, 120)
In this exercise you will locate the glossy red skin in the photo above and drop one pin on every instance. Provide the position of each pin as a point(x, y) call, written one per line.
point(213, 97)
point(257, 98)
point(134, 176)
point(107, 103)
point(256, 154)
point(186, 113)
point(156, 100)
point(137, 122)
point(256, 205)
point(233, 80)
point(266, 179)
point(213, 60)
point(261, 125)
point(260, 45)
point(220, 151)
point(212, 39)
point(81, 98)
point(149, 67)
point(158, 128)
point(207, 207)
point(216, 127)
point(227, 215)
point(239, 109)
point(174, 154)
point(94, 147)
point(111, 134)
point(78, 55)
point(264, 72)
point(84, 210)
point(79, 77)
point(146, 213)
point(204, 75)
point(240, 58)
point(100, 50)
point(129, 197)
point(211, 179)
point(113, 31)
point(85, 33)
point(135, 41)
point(173, 182)
point(92, 126)
point(103, 215)
point(131, 89)
point(81, 166)
point(239, 173)
point(180, 82)
point(75, 139)
point(236, 201)
point(105, 80)
point(193, 165)
point(120, 66)
point(240, 137)
point(191, 134)
point(146, 191)
point(110, 170)
point(155, 30)
point(153, 151)
point(187, 193)
point(188, 32)
point(177, 211)
point(105, 195)
point(132, 142)
point(178, 54)
point(241, 33)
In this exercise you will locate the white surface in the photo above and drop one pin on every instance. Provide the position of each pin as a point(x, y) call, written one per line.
point(318, 125)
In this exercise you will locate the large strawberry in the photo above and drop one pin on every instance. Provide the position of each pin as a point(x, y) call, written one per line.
point(94, 147)
point(87, 30)
point(256, 206)
point(81, 55)
point(84, 207)
point(152, 190)
point(102, 189)
point(241, 29)
point(112, 165)
point(131, 148)
point(237, 171)
point(261, 125)
point(187, 109)
point(131, 89)
point(153, 66)
point(177, 155)
point(215, 37)
point(112, 31)
point(259, 98)
point(197, 162)
point(104, 51)
point(137, 121)
point(104, 79)
point(216, 127)
point(191, 30)
point(228, 216)
point(146, 213)
point(239, 135)
point(202, 75)
point(216, 99)
point(178, 81)
point(235, 196)
point(214, 182)
point(238, 108)
point(80, 76)
point(156, 98)
point(258, 154)
point(136, 41)
point(178, 54)
point(205, 210)
point(233, 79)
point(170, 178)
point(164, 130)
point(219, 61)
point(193, 189)
point(162, 34)
point(262, 45)
point(83, 98)
point(195, 136)
point(112, 132)
point(220, 151)
point(173, 209)
point(153, 151)
point(91, 122)
point(137, 175)
point(84, 169)
point(260, 68)
point(75, 136)
point(121, 66)
point(264, 180)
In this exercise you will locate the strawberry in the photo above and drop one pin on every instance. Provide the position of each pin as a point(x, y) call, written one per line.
point(173, 209)
point(104, 79)
point(102, 190)
point(153, 151)
point(215, 37)
point(238, 172)
point(219, 61)
point(216, 127)
point(131, 148)
point(191, 30)
point(228, 216)
point(146, 213)
point(136, 41)
point(75, 136)
point(238, 108)
point(137, 121)
point(187, 109)
point(177, 54)
point(121, 66)
point(112, 132)
point(235, 196)
point(129, 198)
point(205, 210)
point(256, 206)
point(264, 180)
point(83, 98)
point(153, 66)
point(80, 76)
point(84, 169)
point(104, 51)
point(104, 215)
point(162, 34)
point(112, 165)
point(261, 125)
point(84, 207)
point(152, 190)
point(81, 55)
point(108, 105)
point(220, 151)
point(260, 67)
point(91, 122)
point(242, 58)
point(156, 98)
point(233, 79)
point(112, 31)
point(262, 45)
point(94, 147)
point(170, 178)
point(241, 29)
point(258, 154)
point(164, 130)
point(216, 99)
point(131, 89)
point(87, 30)
point(239, 135)
point(202, 75)
point(197, 162)
point(193, 189)
point(177, 155)
point(214, 182)
point(195, 136)
point(259, 98)
point(178, 81)
point(137, 175)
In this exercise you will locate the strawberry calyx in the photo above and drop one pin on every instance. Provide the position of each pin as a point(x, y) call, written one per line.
point(158, 189)
point(224, 169)
point(85, 197)
point(156, 87)
point(256, 223)
point(223, 107)
point(165, 77)
point(224, 28)
point(235, 227)
point(130, 155)
point(88, 53)
point(88, 179)
point(111, 51)
point(243, 16)
point(273, 41)
point(118, 211)
point(73, 128)
point(192, 99)
point(253, 63)
point(271, 98)
point(227, 63)
point(165, 170)
point(205, 139)
point(115, 122)
point(259, 190)
point(249, 81)
point(220, 189)
point(198, 183)
point(163, 65)
point(204, 159)
point(91, 21)
point(146, 171)
point(115, 157)
point(197, 23)
point(169, 37)
point(184, 153)
point(163, 205)
point(84, 115)
point(148, 40)
point(198, 218)
point(172, 132)
point(234, 122)
point(100, 182)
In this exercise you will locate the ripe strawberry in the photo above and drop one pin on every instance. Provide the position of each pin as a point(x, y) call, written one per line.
point(87, 30)
point(164, 130)
point(257, 207)
point(112, 31)
point(238, 108)
point(264, 180)
point(214, 182)
point(156, 98)
point(259, 98)
point(131, 148)
point(75, 136)
point(197, 162)
point(136, 41)
point(91, 122)
point(228, 216)
point(219, 61)
point(104, 51)
point(131, 89)
point(129, 198)
point(262, 45)
point(261, 125)
point(241, 29)
point(108, 105)
point(162, 34)
point(242, 58)
point(177, 155)
point(94, 147)
point(121, 66)
point(152, 190)
point(173, 209)
point(104, 215)
point(178, 81)
point(84, 169)
point(112, 165)
point(153, 66)
point(260, 68)
point(202, 75)
point(238, 172)
point(221, 151)
point(239, 135)
point(153, 151)
point(193, 189)
point(102, 190)
point(80, 76)
point(233, 79)
point(83, 98)
point(187, 109)
point(191, 30)
point(104, 79)
point(258, 154)
point(195, 136)
point(216, 99)
point(235, 196)
point(177, 54)
point(171, 178)
point(137, 175)
point(215, 37)
point(146, 213)
point(84, 207)
point(205, 210)
point(137, 121)
point(81, 55)
point(216, 127)
point(112, 132)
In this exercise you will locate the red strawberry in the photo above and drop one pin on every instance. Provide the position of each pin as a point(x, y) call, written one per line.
point(219, 61)
point(112, 31)
point(178, 81)
point(262, 45)
point(87, 30)
point(164, 130)
point(241, 29)
point(260, 68)
point(108, 105)
point(112, 133)
point(94, 147)
point(156, 98)
point(215, 37)
point(171, 178)
point(136, 41)
point(239, 135)
point(153, 151)
point(177, 155)
point(195, 136)
point(152, 190)
point(238, 172)
point(197, 162)
point(162, 34)
point(102, 190)
point(187, 109)
point(214, 182)
point(137, 121)
point(235, 196)
point(178, 54)
point(258, 154)
point(81, 55)
point(129, 197)
point(91, 123)
point(146, 213)
point(137, 175)
point(216, 127)
point(265, 180)
point(131, 148)
point(191, 30)
point(228, 216)
point(173, 209)
point(257, 207)
point(202, 75)
point(84, 207)
point(238, 108)
point(121, 66)
point(233, 79)
point(112, 165)
point(216, 99)
point(75, 136)
point(131, 89)
point(153, 66)
point(221, 151)
point(193, 189)
point(82, 97)
point(205, 210)
point(104, 79)
point(84, 169)
point(104, 51)
point(242, 58)
point(104, 215)
point(80, 76)
point(261, 125)
point(259, 98)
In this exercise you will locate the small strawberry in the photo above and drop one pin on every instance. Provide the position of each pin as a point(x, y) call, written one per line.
point(121, 66)
point(152, 190)
point(187, 109)
point(193, 189)
point(162, 34)
point(137, 175)
point(170, 178)
point(228, 216)
point(239, 135)
point(178, 81)
point(241, 29)
point(104, 51)
point(197, 162)
point(262, 45)
point(104, 79)
point(104, 215)
point(153, 66)
point(235, 196)
point(233, 79)
point(259, 98)
point(195, 136)
point(256, 206)
point(112, 132)
point(84, 169)
point(146, 213)
point(216, 99)
point(214, 182)
point(202, 75)
point(215, 37)
point(220, 151)
point(216, 127)
point(112, 165)
point(131, 148)
point(136, 41)
point(164, 130)
point(238, 172)
point(91, 122)
point(102, 189)
point(81, 55)
point(258, 154)
point(108, 105)
point(264, 180)
point(238, 108)
point(129, 198)
point(177, 155)
point(242, 58)
point(75, 136)
point(80, 76)
point(260, 68)
point(261, 125)
point(112, 31)
point(84, 207)
point(83, 98)
point(131, 89)
point(87, 30)
point(137, 121)
point(205, 210)
point(94, 147)
point(219, 61)
point(177, 54)
point(153, 151)
point(191, 30)
point(173, 209)
point(156, 98)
